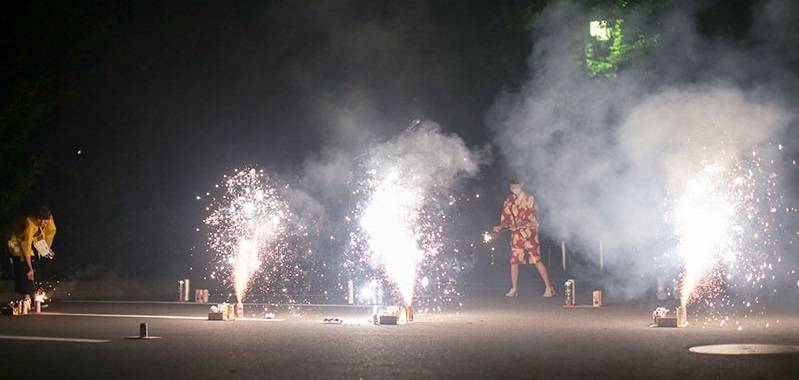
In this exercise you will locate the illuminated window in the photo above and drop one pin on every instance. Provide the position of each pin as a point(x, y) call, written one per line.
point(600, 30)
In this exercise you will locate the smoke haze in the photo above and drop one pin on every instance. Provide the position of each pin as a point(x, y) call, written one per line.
point(603, 155)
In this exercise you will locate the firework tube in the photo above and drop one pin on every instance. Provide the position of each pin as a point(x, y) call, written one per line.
point(350, 292)
point(597, 300)
point(601, 259)
point(569, 293)
point(185, 290)
point(682, 316)
point(180, 290)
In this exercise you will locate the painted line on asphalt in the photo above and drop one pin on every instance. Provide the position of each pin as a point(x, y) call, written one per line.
point(155, 317)
point(53, 339)
point(298, 305)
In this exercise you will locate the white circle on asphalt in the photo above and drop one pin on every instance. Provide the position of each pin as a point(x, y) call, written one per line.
point(746, 349)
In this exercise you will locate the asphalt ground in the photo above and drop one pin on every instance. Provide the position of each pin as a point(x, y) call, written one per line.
point(482, 336)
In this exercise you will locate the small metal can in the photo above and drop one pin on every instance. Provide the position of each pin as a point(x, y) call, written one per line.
point(231, 312)
point(240, 310)
point(682, 316)
point(569, 293)
point(597, 300)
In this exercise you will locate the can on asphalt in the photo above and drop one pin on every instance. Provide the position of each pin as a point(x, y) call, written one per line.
point(569, 293)
point(597, 300)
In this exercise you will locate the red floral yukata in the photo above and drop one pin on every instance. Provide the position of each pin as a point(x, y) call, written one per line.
point(518, 214)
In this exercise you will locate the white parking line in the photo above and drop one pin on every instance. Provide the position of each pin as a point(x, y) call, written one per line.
point(155, 316)
point(53, 339)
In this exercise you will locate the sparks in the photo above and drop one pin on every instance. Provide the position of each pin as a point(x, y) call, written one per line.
point(246, 224)
point(406, 188)
point(728, 226)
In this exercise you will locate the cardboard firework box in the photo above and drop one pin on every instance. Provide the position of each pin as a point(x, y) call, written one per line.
point(224, 312)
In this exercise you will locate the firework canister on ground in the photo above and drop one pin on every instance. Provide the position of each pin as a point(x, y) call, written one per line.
point(682, 316)
point(569, 293)
point(597, 300)
point(201, 295)
point(405, 314)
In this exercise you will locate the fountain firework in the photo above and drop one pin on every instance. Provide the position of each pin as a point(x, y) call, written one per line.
point(404, 182)
point(729, 223)
point(247, 223)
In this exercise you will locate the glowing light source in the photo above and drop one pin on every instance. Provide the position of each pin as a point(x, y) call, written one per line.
point(599, 30)
point(405, 182)
point(246, 224)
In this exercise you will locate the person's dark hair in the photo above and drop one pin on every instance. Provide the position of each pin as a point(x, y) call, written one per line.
point(43, 213)
point(514, 181)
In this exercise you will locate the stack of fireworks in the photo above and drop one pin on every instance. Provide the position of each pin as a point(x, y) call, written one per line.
point(23, 307)
point(661, 318)
point(222, 312)
point(394, 315)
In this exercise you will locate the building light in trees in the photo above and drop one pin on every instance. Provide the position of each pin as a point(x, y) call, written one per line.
point(599, 30)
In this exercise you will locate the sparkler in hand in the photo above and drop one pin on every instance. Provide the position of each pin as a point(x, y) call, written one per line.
point(488, 236)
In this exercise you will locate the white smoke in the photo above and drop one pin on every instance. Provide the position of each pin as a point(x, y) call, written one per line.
point(603, 155)
point(402, 174)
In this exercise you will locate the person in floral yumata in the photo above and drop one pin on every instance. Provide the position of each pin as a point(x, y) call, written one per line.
point(519, 216)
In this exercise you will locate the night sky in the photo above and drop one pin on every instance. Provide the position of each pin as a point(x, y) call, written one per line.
point(155, 102)
point(147, 105)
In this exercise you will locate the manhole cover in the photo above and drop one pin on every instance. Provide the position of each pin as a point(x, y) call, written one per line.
point(745, 349)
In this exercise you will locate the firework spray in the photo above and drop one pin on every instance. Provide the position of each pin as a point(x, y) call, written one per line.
point(401, 177)
point(247, 223)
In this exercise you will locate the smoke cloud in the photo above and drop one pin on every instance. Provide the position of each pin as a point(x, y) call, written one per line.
point(605, 156)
